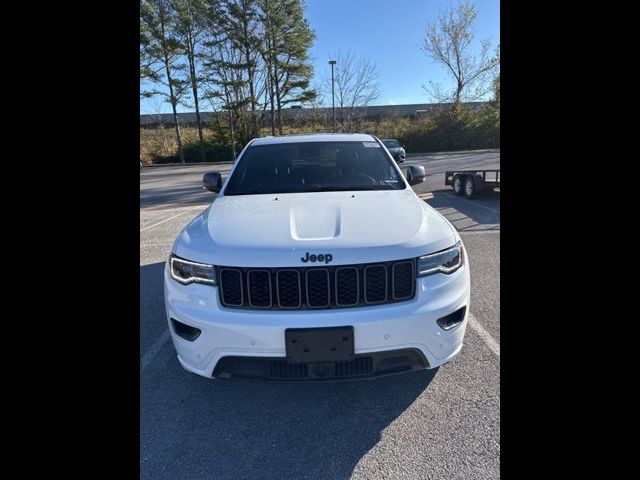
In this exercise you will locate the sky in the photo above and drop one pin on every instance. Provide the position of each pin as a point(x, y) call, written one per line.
point(385, 32)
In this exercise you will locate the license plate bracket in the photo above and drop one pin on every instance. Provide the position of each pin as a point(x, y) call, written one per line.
point(324, 344)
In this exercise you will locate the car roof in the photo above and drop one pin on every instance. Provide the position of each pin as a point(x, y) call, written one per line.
point(318, 137)
point(388, 139)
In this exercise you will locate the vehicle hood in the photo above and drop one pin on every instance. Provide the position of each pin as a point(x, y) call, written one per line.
point(395, 149)
point(279, 229)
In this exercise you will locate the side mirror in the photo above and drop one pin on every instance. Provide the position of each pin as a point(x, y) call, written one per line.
point(212, 181)
point(415, 174)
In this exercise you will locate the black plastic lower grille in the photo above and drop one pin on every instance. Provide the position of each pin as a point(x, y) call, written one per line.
point(360, 366)
point(357, 366)
point(317, 287)
point(281, 369)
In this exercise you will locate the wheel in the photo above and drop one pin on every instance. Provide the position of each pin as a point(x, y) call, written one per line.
point(458, 182)
point(469, 187)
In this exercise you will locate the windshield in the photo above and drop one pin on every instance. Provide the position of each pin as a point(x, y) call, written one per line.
point(391, 143)
point(313, 167)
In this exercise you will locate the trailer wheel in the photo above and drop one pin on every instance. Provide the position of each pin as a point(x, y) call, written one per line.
point(470, 187)
point(458, 183)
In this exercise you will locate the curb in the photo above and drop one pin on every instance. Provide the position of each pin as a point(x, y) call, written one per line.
point(454, 152)
point(155, 165)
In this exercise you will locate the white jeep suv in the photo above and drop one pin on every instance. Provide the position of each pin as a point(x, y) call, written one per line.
point(315, 261)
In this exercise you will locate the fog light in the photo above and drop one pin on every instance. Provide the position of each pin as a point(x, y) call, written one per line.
point(185, 331)
point(453, 319)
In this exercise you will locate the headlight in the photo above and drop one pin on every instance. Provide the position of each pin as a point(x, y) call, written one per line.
point(447, 261)
point(187, 272)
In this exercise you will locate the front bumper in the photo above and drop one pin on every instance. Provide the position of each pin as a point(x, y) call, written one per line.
point(399, 157)
point(227, 332)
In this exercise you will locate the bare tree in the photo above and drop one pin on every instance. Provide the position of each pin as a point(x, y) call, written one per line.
point(189, 24)
point(150, 66)
point(285, 51)
point(223, 84)
point(449, 42)
point(163, 46)
point(356, 86)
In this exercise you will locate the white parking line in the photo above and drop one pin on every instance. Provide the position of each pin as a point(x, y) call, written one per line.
point(473, 203)
point(489, 231)
point(171, 218)
point(162, 245)
point(484, 335)
point(148, 357)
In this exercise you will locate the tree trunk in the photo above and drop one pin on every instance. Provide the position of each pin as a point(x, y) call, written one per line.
point(194, 89)
point(278, 104)
point(254, 118)
point(273, 115)
point(233, 135)
point(269, 60)
point(458, 92)
point(250, 74)
point(175, 120)
point(172, 97)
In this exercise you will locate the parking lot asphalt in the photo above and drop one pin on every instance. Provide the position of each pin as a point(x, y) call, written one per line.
point(435, 424)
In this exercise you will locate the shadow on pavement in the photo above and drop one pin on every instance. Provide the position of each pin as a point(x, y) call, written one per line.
point(192, 427)
point(162, 198)
point(479, 213)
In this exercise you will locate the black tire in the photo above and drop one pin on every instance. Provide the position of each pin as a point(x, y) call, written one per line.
point(459, 188)
point(470, 189)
